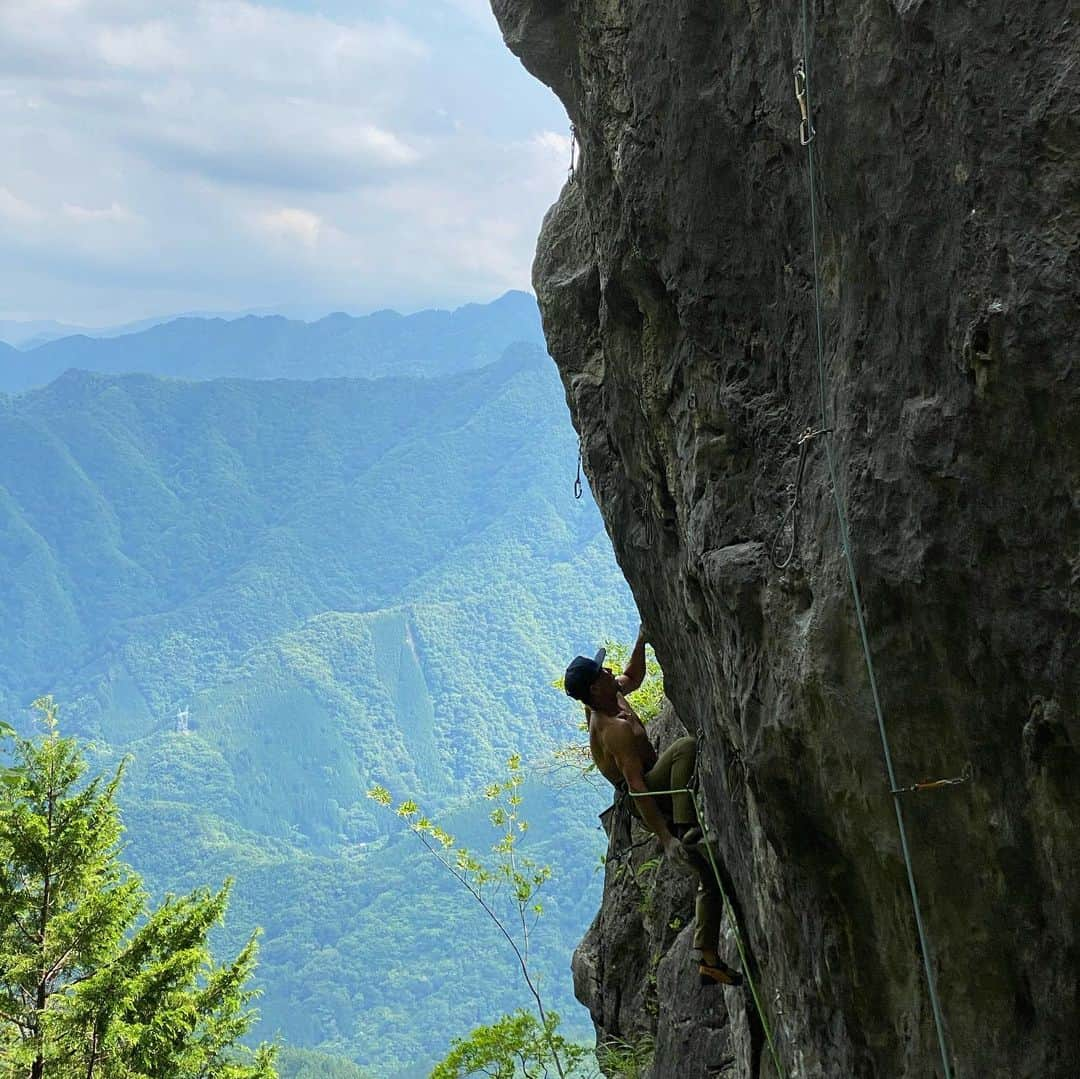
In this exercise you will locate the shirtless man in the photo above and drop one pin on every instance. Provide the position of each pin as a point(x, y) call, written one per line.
point(624, 755)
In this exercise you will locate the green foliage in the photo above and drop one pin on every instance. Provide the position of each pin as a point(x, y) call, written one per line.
point(508, 873)
point(645, 877)
point(360, 943)
point(348, 554)
point(295, 1063)
point(505, 884)
point(91, 982)
point(516, 1046)
point(621, 1058)
point(649, 696)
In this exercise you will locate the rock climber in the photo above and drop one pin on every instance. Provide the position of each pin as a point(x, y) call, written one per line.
point(624, 755)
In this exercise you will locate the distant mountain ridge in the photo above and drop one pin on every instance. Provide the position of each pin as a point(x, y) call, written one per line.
point(429, 343)
point(27, 334)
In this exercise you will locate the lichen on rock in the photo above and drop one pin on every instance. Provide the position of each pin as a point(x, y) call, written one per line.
point(675, 276)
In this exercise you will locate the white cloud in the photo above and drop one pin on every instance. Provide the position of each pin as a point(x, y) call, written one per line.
point(150, 47)
point(552, 143)
point(114, 214)
point(292, 225)
point(368, 139)
point(16, 210)
point(195, 148)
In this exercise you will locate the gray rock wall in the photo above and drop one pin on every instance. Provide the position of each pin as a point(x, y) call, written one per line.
point(675, 280)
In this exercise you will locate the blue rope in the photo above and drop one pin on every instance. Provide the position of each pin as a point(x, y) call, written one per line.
point(845, 539)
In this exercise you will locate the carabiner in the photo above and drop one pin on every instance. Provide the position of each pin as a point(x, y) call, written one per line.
point(806, 129)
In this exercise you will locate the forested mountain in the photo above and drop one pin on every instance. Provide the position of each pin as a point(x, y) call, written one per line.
point(385, 343)
point(272, 594)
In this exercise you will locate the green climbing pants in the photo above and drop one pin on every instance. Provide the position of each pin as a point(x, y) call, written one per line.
point(673, 772)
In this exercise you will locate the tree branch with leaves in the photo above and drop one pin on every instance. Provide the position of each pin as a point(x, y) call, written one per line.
point(506, 886)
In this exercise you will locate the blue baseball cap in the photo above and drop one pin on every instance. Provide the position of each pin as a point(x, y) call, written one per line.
point(581, 674)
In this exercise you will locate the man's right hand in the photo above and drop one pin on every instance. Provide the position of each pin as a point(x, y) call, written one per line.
point(678, 856)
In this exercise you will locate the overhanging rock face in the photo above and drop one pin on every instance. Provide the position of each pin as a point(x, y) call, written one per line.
point(675, 276)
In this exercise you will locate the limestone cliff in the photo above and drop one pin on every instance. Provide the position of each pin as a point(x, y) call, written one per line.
point(675, 277)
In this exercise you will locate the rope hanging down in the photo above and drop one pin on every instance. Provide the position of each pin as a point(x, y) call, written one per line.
point(730, 912)
point(802, 82)
point(578, 488)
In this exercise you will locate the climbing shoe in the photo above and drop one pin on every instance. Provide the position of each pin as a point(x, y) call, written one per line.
point(718, 973)
point(692, 835)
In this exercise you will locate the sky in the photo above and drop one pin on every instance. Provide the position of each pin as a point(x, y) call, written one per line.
point(165, 156)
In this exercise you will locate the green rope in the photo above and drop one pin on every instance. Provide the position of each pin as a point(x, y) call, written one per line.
point(730, 912)
point(845, 539)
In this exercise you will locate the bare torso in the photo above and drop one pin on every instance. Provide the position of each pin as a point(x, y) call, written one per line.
point(609, 733)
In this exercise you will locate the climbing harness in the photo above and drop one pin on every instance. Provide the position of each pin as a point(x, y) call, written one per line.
point(578, 488)
point(935, 784)
point(792, 513)
point(729, 911)
point(806, 137)
point(623, 813)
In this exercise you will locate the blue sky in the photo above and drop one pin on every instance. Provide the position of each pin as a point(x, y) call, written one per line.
point(173, 155)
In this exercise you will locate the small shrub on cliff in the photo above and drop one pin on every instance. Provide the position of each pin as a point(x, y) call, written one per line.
point(621, 1058)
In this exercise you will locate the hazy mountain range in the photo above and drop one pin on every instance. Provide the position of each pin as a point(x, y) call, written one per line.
point(26, 334)
point(370, 346)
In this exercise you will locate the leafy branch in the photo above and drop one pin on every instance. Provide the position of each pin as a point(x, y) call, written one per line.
point(507, 875)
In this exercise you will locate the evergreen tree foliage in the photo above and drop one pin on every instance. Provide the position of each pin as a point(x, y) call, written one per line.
point(92, 984)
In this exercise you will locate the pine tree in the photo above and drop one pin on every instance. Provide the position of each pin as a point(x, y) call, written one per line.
point(92, 984)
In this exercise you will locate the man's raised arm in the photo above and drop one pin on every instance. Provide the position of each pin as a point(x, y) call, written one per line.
point(634, 675)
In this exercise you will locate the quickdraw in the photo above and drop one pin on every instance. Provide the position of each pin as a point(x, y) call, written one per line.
point(792, 512)
point(935, 784)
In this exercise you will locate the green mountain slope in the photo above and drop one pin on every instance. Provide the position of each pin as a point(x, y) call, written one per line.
point(274, 594)
point(374, 952)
